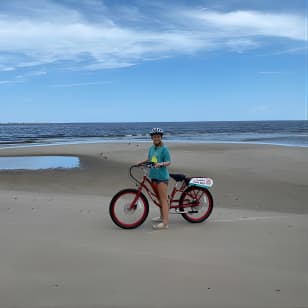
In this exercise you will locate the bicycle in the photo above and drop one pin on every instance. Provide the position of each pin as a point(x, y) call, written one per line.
point(189, 197)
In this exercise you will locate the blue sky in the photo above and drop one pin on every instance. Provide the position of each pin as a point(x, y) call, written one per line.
point(135, 61)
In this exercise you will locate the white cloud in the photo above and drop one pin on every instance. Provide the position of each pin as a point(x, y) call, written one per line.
point(79, 84)
point(253, 23)
point(6, 68)
point(23, 77)
point(260, 109)
point(241, 44)
point(4, 81)
point(270, 72)
point(46, 32)
point(31, 74)
point(295, 50)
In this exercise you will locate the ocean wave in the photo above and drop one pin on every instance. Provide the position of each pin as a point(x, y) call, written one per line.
point(288, 132)
point(18, 141)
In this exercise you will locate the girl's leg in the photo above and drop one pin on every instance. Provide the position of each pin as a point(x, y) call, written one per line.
point(163, 196)
point(155, 186)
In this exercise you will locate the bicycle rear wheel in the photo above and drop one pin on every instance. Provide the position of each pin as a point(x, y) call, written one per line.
point(198, 202)
point(123, 214)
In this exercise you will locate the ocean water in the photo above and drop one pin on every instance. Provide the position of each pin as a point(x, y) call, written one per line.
point(290, 133)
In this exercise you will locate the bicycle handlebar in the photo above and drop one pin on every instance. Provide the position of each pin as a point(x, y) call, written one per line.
point(146, 165)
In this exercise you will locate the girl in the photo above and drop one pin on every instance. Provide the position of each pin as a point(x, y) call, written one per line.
point(159, 155)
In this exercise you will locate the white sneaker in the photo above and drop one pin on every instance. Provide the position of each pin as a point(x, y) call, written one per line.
point(157, 219)
point(160, 226)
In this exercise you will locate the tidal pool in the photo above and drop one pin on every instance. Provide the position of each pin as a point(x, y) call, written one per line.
point(38, 162)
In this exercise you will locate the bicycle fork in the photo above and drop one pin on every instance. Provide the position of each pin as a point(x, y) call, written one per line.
point(134, 202)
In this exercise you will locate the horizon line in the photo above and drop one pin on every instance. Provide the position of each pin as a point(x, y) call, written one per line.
point(116, 122)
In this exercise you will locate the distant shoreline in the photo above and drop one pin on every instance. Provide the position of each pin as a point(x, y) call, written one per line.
point(78, 142)
point(132, 122)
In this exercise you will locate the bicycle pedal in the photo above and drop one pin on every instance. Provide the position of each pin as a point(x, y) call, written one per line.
point(180, 211)
point(193, 212)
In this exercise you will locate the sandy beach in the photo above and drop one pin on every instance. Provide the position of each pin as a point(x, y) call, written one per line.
point(59, 247)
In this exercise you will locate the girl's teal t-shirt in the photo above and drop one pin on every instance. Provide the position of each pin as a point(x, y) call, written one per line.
point(159, 155)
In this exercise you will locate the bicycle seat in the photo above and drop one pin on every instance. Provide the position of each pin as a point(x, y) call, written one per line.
point(178, 177)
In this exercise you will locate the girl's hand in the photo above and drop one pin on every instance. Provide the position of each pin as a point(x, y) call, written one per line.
point(158, 165)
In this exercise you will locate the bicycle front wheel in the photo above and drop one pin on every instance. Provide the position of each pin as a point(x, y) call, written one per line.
point(125, 214)
point(198, 204)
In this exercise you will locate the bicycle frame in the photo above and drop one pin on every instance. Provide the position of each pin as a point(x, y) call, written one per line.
point(148, 186)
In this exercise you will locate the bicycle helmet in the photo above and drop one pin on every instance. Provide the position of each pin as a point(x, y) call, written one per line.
point(156, 131)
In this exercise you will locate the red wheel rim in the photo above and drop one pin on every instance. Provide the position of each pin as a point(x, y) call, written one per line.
point(124, 224)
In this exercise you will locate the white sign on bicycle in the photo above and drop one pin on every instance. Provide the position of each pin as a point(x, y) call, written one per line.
point(206, 182)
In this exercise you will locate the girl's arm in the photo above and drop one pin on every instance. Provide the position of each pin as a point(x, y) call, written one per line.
point(142, 162)
point(164, 164)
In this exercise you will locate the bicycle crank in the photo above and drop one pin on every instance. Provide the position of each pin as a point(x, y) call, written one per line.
point(183, 211)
